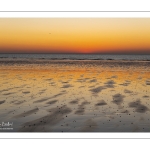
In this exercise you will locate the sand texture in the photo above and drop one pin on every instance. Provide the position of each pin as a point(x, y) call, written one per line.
point(75, 96)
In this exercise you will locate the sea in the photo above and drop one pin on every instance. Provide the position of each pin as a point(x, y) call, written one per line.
point(78, 56)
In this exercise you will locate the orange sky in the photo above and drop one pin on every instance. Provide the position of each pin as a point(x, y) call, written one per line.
point(75, 35)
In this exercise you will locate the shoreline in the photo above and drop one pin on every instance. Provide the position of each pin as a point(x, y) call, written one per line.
point(66, 59)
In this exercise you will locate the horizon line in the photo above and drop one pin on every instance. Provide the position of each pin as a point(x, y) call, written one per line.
point(84, 53)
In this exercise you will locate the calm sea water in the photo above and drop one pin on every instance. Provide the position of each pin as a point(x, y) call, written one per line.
point(77, 56)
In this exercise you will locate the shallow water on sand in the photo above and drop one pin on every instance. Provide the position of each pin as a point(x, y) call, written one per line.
point(75, 96)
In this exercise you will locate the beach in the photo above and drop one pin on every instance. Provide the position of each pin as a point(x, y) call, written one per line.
point(62, 95)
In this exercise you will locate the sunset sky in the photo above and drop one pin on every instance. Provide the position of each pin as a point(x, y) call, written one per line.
point(75, 35)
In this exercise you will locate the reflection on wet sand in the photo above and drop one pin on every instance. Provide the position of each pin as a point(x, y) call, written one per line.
point(74, 102)
point(110, 84)
point(1, 102)
point(88, 126)
point(118, 99)
point(138, 106)
point(75, 96)
point(127, 91)
point(27, 113)
point(51, 102)
point(97, 89)
point(50, 120)
point(102, 102)
point(81, 108)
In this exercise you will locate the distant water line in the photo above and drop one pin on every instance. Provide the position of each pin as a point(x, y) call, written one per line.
point(77, 56)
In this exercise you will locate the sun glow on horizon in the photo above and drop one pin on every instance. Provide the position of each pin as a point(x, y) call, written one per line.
point(75, 35)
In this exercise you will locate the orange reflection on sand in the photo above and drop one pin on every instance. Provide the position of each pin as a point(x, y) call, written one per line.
point(76, 96)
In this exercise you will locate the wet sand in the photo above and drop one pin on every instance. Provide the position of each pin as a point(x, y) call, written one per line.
point(75, 95)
